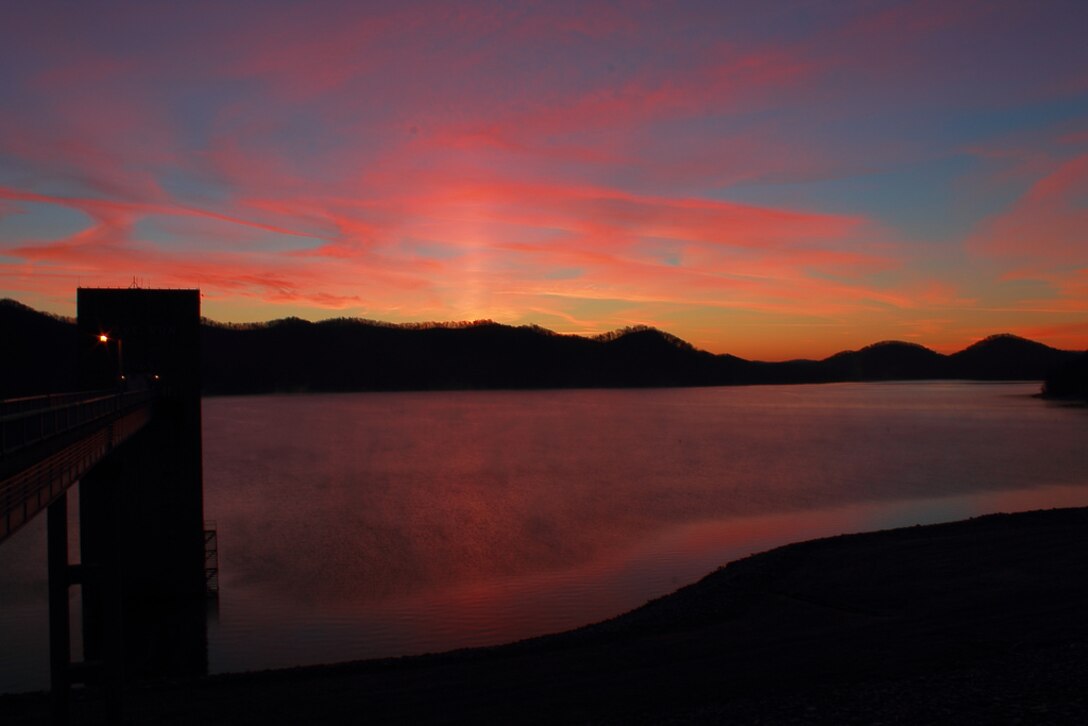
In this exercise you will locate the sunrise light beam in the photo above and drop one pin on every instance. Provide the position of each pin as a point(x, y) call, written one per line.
point(768, 183)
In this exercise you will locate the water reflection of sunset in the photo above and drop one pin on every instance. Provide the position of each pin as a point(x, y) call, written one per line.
point(457, 519)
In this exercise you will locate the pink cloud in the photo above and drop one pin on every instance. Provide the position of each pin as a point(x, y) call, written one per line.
point(1069, 336)
point(483, 161)
point(1048, 223)
point(730, 255)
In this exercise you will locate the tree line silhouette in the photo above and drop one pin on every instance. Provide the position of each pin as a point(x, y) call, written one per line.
point(342, 354)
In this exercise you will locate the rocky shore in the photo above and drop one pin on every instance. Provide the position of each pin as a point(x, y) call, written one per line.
point(980, 621)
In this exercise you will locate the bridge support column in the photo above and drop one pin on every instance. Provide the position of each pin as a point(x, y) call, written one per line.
point(99, 576)
point(102, 493)
point(60, 636)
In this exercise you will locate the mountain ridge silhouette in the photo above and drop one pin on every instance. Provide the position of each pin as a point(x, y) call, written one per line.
point(349, 354)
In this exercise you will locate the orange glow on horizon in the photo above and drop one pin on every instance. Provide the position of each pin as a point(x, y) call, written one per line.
point(767, 190)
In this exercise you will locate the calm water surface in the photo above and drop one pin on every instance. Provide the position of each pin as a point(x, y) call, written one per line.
point(369, 525)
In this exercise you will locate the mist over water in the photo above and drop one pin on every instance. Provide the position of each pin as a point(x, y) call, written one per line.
point(371, 525)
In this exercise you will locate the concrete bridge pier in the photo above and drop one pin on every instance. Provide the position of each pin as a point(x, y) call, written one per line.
point(60, 636)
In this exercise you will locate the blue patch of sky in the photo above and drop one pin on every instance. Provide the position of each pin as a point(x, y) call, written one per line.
point(431, 249)
point(301, 136)
point(187, 187)
point(666, 251)
point(13, 172)
point(672, 143)
point(919, 200)
point(925, 199)
point(198, 114)
point(516, 233)
point(47, 182)
point(594, 307)
point(197, 109)
point(30, 221)
point(524, 235)
point(194, 233)
point(952, 128)
point(20, 174)
point(563, 273)
point(764, 22)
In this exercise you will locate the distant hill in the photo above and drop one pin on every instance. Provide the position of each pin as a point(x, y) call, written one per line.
point(294, 355)
point(887, 361)
point(1006, 357)
point(38, 351)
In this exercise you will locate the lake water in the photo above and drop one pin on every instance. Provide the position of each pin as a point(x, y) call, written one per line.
point(368, 525)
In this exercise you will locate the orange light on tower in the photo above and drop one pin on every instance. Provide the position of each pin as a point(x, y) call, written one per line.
point(105, 339)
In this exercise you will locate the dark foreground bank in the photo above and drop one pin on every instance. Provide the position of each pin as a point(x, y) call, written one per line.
point(981, 621)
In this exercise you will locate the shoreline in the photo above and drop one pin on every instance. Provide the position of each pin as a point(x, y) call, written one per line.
point(975, 620)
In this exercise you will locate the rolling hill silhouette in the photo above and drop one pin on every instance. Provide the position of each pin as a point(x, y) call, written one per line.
point(39, 351)
point(887, 360)
point(1006, 357)
point(294, 355)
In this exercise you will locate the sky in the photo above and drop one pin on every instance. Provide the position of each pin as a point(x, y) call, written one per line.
point(768, 179)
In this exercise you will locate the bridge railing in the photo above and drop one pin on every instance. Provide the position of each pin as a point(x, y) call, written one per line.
point(27, 421)
point(12, 406)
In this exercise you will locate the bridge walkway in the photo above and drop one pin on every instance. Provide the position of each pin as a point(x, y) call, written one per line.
point(48, 442)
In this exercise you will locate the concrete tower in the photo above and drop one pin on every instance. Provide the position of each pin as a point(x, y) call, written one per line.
point(141, 509)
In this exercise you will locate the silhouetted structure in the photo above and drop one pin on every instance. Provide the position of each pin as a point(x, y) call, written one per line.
point(141, 510)
point(133, 441)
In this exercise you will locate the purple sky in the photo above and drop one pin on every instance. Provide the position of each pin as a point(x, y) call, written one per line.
point(770, 179)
